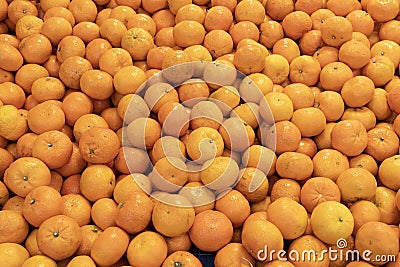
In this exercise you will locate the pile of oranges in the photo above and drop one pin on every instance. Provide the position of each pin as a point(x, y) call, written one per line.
point(132, 131)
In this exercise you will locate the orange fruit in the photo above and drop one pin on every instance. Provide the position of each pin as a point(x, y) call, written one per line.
point(302, 119)
point(110, 246)
point(363, 115)
point(200, 196)
point(26, 173)
point(129, 184)
point(335, 35)
point(35, 48)
point(382, 11)
point(90, 184)
point(286, 130)
point(326, 55)
point(142, 246)
point(276, 106)
point(361, 21)
point(12, 254)
point(349, 137)
point(59, 237)
point(233, 254)
point(14, 203)
point(81, 260)
point(114, 59)
point(103, 212)
point(77, 207)
point(129, 80)
point(385, 199)
point(40, 204)
point(182, 257)
point(52, 144)
point(383, 143)
point(295, 211)
point(331, 168)
point(364, 161)
point(47, 88)
point(12, 94)
point(307, 243)
point(11, 58)
point(294, 165)
point(211, 230)
point(173, 215)
point(134, 213)
point(379, 104)
point(311, 42)
point(86, 31)
point(178, 243)
point(227, 201)
point(285, 187)
point(317, 190)
point(204, 143)
point(350, 181)
point(253, 184)
point(373, 233)
point(380, 70)
point(334, 75)
point(13, 125)
point(358, 91)
point(277, 10)
point(331, 104)
point(364, 211)
point(137, 42)
point(244, 30)
point(49, 110)
point(258, 233)
point(393, 100)
point(99, 145)
point(89, 234)
point(249, 52)
point(83, 10)
point(219, 173)
point(296, 23)
point(307, 146)
point(271, 32)
point(388, 31)
point(387, 169)
point(354, 53)
point(187, 33)
point(256, 15)
point(331, 220)
point(39, 259)
point(13, 227)
point(218, 18)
